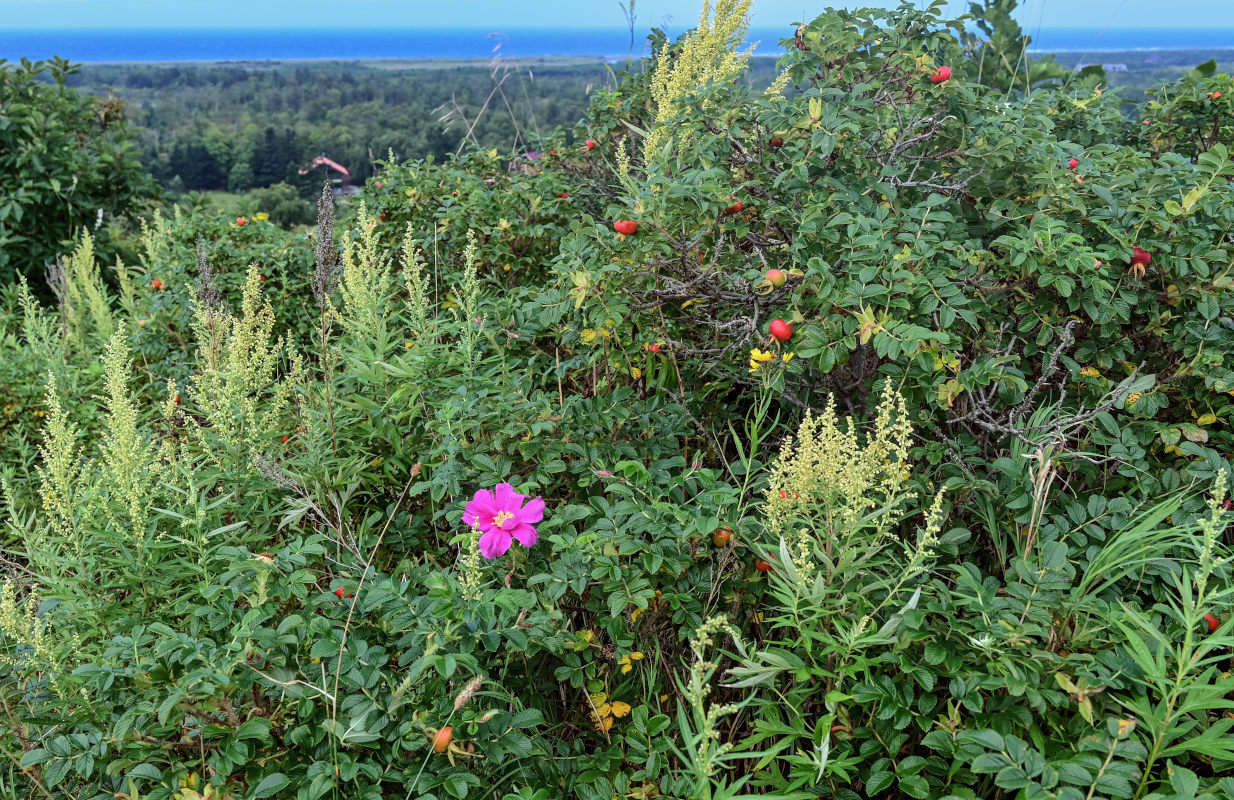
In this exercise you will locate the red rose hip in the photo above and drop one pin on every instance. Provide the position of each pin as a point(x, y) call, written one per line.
point(780, 330)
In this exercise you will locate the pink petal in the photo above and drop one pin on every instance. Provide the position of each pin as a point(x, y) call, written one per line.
point(481, 510)
point(533, 512)
point(506, 499)
point(526, 534)
point(494, 543)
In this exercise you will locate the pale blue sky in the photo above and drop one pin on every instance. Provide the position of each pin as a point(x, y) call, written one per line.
point(510, 14)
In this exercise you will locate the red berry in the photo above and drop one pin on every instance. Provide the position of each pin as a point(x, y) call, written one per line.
point(591, 145)
point(941, 74)
point(177, 398)
point(563, 196)
point(1215, 95)
point(377, 184)
point(1214, 622)
point(156, 284)
point(626, 226)
point(776, 142)
point(721, 535)
point(653, 348)
point(339, 591)
point(1141, 257)
point(1072, 163)
point(781, 330)
point(761, 565)
point(442, 739)
point(733, 209)
point(285, 438)
point(240, 221)
point(262, 277)
point(776, 277)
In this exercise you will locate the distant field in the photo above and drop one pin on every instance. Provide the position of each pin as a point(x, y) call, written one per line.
point(1148, 68)
point(364, 63)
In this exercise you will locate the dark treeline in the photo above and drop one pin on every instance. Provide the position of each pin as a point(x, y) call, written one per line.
point(240, 127)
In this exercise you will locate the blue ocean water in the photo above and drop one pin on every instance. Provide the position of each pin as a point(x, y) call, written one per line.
point(284, 44)
point(103, 45)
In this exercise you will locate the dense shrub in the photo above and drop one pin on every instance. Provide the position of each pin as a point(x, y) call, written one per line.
point(963, 533)
point(70, 167)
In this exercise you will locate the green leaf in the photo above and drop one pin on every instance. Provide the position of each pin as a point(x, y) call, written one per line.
point(269, 785)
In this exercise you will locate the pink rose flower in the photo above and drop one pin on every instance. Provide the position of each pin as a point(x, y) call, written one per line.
point(503, 517)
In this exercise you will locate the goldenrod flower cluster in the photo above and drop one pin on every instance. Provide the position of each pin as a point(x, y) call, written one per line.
point(127, 465)
point(623, 157)
point(365, 280)
point(471, 573)
point(698, 687)
point(25, 642)
point(419, 304)
point(825, 472)
point(59, 471)
point(83, 300)
point(708, 55)
point(238, 386)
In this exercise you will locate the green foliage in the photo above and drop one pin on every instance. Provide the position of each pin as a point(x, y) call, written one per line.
point(72, 166)
point(964, 533)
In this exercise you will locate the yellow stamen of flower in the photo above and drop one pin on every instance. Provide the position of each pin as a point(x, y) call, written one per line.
point(501, 518)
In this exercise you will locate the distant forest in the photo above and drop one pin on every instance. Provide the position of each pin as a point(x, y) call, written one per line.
point(238, 127)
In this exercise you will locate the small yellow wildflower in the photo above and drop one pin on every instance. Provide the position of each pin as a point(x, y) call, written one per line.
point(758, 358)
